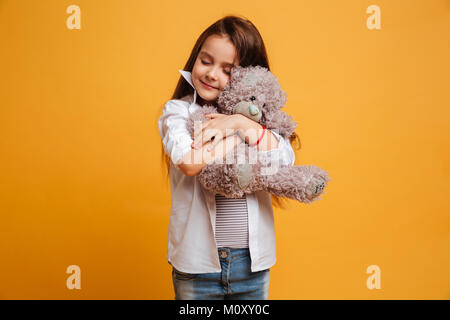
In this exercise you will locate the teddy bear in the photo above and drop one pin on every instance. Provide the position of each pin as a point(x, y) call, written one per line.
point(254, 92)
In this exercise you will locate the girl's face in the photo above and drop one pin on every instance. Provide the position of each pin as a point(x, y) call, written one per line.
point(211, 71)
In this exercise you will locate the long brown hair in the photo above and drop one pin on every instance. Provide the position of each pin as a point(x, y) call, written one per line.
point(251, 52)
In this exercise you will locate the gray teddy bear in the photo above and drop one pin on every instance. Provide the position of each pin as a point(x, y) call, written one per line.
point(255, 93)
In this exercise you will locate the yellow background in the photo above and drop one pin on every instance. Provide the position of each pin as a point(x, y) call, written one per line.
point(81, 178)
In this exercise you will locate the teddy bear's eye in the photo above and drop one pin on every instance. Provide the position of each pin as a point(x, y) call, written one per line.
point(253, 98)
point(264, 105)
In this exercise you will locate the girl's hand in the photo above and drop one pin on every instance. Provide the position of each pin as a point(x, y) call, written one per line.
point(220, 126)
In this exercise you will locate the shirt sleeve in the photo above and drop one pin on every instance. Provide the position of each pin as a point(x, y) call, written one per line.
point(175, 136)
point(283, 154)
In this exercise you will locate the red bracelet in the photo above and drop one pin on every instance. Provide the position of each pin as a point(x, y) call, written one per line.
point(264, 130)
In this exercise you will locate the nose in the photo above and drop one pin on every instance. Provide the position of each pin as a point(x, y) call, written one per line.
point(212, 74)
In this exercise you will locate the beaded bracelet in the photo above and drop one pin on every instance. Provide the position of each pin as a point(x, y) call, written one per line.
point(260, 138)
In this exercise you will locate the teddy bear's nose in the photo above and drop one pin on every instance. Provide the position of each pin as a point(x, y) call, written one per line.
point(253, 110)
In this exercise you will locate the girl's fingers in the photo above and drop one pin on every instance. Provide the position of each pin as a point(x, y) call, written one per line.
point(208, 134)
point(198, 133)
point(204, 136)
point(214, 142)
point(197, 130)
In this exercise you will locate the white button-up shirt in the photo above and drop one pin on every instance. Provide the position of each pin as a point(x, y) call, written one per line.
point(191, 237)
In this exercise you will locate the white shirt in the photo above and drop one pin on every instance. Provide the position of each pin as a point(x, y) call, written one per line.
point(191, 240)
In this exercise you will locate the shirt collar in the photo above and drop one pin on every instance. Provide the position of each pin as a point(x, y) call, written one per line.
point(187, 75)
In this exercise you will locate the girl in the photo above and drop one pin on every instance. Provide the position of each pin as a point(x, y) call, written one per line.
point(218, 248)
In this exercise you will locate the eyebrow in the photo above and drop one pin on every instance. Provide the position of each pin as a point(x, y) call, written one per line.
point(210, 56)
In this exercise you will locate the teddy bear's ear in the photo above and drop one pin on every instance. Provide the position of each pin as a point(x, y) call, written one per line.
point(236, 71)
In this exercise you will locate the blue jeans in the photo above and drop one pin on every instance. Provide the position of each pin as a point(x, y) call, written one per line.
point(234, 282)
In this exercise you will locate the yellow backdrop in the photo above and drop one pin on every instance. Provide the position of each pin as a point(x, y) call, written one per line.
point(81, 178)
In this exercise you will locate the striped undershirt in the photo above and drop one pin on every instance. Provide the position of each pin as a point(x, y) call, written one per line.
point(231, 222)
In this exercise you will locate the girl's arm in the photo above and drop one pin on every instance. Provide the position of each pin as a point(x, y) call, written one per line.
point(251, 131)
point(194, 161)
point(271, 145)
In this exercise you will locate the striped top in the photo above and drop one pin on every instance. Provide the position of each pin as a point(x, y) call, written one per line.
point(231, 222)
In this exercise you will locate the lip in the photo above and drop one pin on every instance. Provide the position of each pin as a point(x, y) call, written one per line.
point(207, 86)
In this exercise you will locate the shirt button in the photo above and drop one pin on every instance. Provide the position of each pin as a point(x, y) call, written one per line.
point(223, 254)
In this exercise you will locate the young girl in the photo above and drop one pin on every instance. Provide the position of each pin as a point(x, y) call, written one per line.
point(218, 248)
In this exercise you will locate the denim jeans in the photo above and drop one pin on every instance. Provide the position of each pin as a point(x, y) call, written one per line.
point(234, 282)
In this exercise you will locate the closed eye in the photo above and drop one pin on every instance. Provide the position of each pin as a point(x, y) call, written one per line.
point(206, 63)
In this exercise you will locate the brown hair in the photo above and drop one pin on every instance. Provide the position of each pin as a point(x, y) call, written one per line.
point(251, 52)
